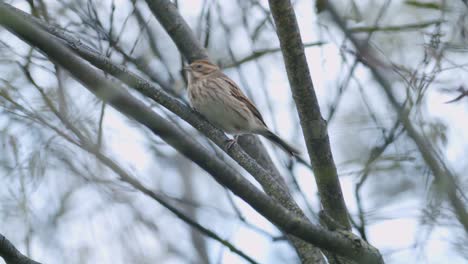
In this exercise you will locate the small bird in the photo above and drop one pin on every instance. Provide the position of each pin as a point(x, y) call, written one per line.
point(221, 101)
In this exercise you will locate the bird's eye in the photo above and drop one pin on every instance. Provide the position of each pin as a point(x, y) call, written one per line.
point(198, 66)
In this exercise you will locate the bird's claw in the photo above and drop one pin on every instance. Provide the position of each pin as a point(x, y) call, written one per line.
point(230, 143)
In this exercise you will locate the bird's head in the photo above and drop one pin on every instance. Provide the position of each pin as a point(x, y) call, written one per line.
point(200, 68)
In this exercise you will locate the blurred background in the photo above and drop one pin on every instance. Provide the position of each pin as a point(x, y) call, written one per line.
point(59, 204)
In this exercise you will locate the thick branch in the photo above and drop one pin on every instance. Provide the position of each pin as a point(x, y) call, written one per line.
point(313, 125)
point(345, 244)
point(169, 17)
point(11, 255)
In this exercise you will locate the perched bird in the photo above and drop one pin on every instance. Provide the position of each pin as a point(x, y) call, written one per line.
point(221, 101)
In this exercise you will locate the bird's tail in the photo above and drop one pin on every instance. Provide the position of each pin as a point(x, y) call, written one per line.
point(281, 143)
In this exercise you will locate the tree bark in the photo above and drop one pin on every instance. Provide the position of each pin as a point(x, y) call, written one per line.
point(11, 255)
point(313, 125)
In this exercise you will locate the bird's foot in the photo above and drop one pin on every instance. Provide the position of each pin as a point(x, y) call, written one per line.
point(231, 142)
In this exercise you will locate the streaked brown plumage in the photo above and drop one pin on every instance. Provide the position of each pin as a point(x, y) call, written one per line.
point(222, 102)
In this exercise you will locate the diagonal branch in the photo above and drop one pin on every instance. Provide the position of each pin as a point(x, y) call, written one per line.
point(343, 243)
point(256, 54)
point(169, 17)
point(11, 255)
point(398, 28)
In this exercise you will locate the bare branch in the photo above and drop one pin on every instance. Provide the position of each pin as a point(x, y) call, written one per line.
point(404, 27)
point(463, 92)
point(313, 125)
point(262, 52)
point(169, 17)
point(11, 255)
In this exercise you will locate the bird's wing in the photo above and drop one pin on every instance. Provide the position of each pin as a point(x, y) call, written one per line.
point(237, 93)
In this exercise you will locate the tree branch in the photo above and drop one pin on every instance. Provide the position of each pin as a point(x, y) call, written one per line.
point(169, 17)
point(313, 125)
point(404, 27)
point(256, 54)
point(11, 255)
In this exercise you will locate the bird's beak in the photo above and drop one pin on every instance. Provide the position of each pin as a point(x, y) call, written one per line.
point(187, 68)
